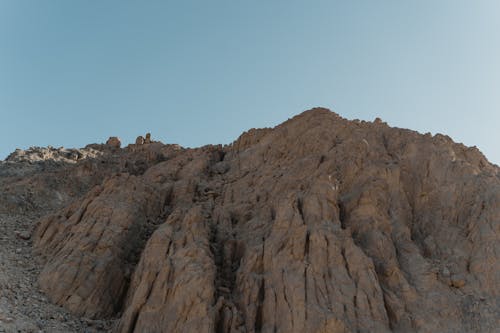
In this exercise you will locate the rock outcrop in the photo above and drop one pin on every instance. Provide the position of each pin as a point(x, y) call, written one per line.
point(139, 141)
point(55, 155)
point(318, 225)
point(114, 142)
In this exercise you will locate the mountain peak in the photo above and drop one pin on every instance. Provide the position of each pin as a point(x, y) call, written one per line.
point(280, 230)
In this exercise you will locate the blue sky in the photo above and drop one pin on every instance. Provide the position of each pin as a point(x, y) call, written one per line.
point(199, 72)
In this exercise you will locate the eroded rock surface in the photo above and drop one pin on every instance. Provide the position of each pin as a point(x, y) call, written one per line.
point(88, 246)
point(114, 142)
point(318, 225)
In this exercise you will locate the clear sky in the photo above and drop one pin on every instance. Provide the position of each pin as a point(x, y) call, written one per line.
point(199, 72)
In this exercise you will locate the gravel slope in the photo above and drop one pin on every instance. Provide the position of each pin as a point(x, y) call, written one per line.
point(22, 307)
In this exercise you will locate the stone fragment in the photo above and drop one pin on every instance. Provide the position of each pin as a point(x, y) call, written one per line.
point(457, 281)
point(24, 235)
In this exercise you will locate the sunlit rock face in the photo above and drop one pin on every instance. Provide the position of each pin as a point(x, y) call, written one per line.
point(318, 225)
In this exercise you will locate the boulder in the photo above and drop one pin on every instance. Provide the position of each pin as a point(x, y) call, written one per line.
point(114, 142)
point(139, 141)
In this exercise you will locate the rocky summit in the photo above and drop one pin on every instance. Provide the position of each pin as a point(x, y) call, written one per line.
point(320, 224)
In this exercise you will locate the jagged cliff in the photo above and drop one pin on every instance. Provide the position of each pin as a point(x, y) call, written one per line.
point(318, 225)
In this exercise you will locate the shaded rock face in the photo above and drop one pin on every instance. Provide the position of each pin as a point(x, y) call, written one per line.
point(318, 225)
point(92, 243)
point(44, 179)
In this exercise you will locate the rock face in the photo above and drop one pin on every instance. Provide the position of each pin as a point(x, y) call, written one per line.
point(318, 225)
point(43, 179)
point(88, 245)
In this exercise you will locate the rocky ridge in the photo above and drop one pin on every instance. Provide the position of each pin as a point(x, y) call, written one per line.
point(318, 225)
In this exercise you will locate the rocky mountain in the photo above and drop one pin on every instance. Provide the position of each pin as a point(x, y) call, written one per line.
point(320, 224)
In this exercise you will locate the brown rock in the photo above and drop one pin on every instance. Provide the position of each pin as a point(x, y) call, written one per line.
point(139, 141)
point(148, 138)
point(177, 262)
point(318, 225)
point(88, 246)
point(114, 142)
point(24, 235)
point(457, 281)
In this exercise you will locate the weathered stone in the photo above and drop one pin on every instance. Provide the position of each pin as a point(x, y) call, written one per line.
point(139, 141)
point(114, 142)
point(24, 235)
point(88, 246)
point(457, 281)
point(318, 225)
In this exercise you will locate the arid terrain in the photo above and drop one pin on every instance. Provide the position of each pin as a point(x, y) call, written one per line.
point(321, 224)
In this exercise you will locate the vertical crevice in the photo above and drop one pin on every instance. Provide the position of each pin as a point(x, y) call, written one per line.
point(306, 246)
point(346, 264)
point(138, 312)
point(342, 214)
point(133, 323)
point(260, 305)
point(136, 240)
point(234, 220)
point(219, 323)
point(385, 143)
point(300, 208)
point(227, 253)
point(391, 317)
point(273, 214)
point(305, 291)
point(322, 159)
